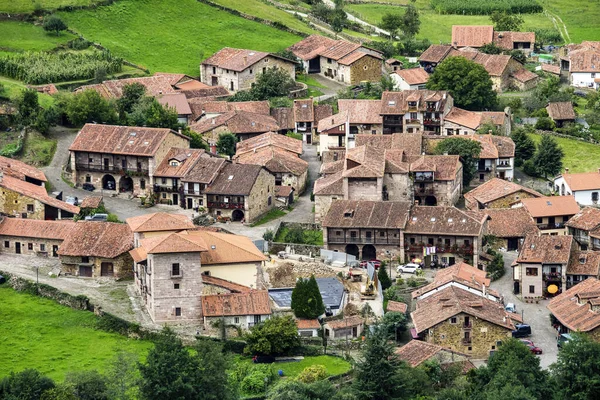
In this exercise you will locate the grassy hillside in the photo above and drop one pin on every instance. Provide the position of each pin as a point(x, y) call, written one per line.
point(579, 156)
point(172, 36)
point(39, 333)
point(27, 6)
point(22, 36)
point(579, 16)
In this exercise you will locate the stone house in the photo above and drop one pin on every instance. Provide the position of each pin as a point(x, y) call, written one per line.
point(156, 85)
point(551, 213)
point(363, 116)
point(410, 79)
point(179, 103)
point(582, 225)
point(340, 60)
point(561, 112)
point(463, 122)
point(334, 131)
point(97, 249)
point(238, 69)
point(210, 108)
point(33, 237)
point(510, 226)
point(583, 264)
point(497, 193)
point(584, 186)
point(198, 178)
point(121, 159)
point(523, 79)
point(243, 124)
point(392, 64)
point(541, 268)
point(347, 328)
point(306, 115)
point(243, 310)
point(462, 321)
point(583, 63)
point(416, 352)
point(241, 192)
point(436, 180)
point(576, 310)
point(496, 159)
point(475, 36)
point(156, 224)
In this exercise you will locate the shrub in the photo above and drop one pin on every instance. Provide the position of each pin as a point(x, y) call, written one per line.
point(312, 374)
point(545, 124)
point(530, 169)
point(412, 282)
point(269, 235)
point(254, 382)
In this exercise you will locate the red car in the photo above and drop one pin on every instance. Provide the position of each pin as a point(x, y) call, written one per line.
point(527, 342)
point(534, 349)
point(376, 263)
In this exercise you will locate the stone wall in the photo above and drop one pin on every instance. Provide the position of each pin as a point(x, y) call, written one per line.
point(295, 248)
point(507, 201)
point(29, 246)
point(364, 189)
point(122, 265)
point(399, 187)
point(322, 204)
point(15, 204)
point(258, 202)
point(365, 69)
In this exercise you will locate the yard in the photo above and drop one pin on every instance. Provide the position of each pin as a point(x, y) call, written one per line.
point(39, 333)
point(333, 365)
point(38, 150)
point(579, 156)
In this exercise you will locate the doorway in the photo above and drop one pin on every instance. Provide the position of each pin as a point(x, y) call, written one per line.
point(190, 203)
point(85, 271)
point(237, 215)
point(106, 269)
point(175, 199)
point(352, 249)
point(125, 184)
point(369, 252)
point(17, 247)
point(54, 251)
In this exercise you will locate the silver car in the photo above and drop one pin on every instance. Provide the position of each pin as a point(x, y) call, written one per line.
point(409, 268)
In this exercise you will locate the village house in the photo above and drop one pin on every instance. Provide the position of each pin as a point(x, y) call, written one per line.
point(179, 103)
point(509, 227)
point(523, 79)
point(576, 310)
point(551, 213)
point(551, 69)
point(582, 265)
point(198, 178)
point(464, 122)
point(497, 193)
point(585, 186)
point(335, 296)
point(479, 35)
point(462, 321)
point(243, 310)
point(392, 64)
point(121, 159)
point(308, 327)
point(410, 79)
point(240, 193)
point(496, 159)
point(396, 306)
point(541, 268)
point(306, 115)
point(334, 132)
point(238, 69)
point(97, 249)
point(583, 63)
point(363, 116)
point(582, 224)
point(243, 124)
point(461, 275)
point(561, 113)
point(340, 60)
point(90, 204)
point(414, 111)
point(416, 352)
point(347, 328)
point(284, 117)
point(33, 237)
point(209, 109)
point(149, 225)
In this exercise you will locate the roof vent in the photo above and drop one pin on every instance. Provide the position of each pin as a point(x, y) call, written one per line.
point(432, 219)
point(213, 247)
point(132, 133)
point(146, 143)
point(230, 177)
point(463, 220)
point(348, 214)
point(533, 246)
point(450, 220)
point(392, 103)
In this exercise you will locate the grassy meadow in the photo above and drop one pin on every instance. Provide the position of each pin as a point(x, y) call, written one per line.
point(40, 333)
point(579, 156)
point(23, 36)
point(333, 365)
point(27, 6)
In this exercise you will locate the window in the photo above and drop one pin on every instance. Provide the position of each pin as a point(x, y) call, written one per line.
point(329, 61)
point(430, 241)
point(214, 70)
point(412, 240)
point(353, 234)
point(250, 71)
point(447, 242)
point(175, 270)
point(236, 320)
point(594, 196)
point(88, 179)
point(453, 320)
point(368, 233)
point(413, 115)
point(176, 286)
point(338, 233)
point(178, 311)
point(6, 244)
point(531, 289)
point(531, 271)
point(539, 220)
point(42, 246)
point(164, 181)
point(381, 234)
point(467, 242)
point(29, 246)
point(85, 260)
point(164, 195)
point(30, 208)
point(142, 184)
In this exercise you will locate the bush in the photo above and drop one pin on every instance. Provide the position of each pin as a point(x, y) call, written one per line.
point(530, 169)
point(312, 374)
point(412, 282)
point(545, 124)
point(254, 382)
point(269, 235)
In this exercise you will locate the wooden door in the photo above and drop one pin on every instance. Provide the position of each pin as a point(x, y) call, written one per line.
point(106, 269)
point(85, 271)
point(17, 247)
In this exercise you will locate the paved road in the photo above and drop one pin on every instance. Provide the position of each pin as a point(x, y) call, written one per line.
point(536, 315)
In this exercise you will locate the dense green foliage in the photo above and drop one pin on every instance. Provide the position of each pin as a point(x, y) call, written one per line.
point(39, 67)
point(384, 278)
point(307, 302)
point(548, 157)
point(495, 269)
point(504, 21)
point(485, 7)
point(28, 384)
point(275, 336)
point(226, 144)
point(467, 149)
point(524, 145)
point(273, 83)
point(394, 323)
point(88, 106)
point(53, 23)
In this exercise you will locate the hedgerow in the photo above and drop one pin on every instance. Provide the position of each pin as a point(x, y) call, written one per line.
point(485, 7)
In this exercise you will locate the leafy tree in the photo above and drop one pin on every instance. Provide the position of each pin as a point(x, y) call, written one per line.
point(89, 106)
point(496, 268)
point(226, 144)
point(506, 22)
point(546, 88)
point(27, 106)
point(60, 392)
point(386, 47)
point(577, 371)
point(211, 374)
point(275, 336)
point(149, 112)
point(242, 95)
point(490, 48)
point(88, 385)
point(123, 377)
point(196, 140)
point(393, 323)
point(411, 23)
point(274, 82)
point(297, 390)
point(132, 94)
point(28, 384)
point(392, 23)
point(295, 234)
point(467, 149)
point(384, 278)
point(53, 23)
point(100, 74)
point(468, 82)
point(524, 144)
point(548, 158)
point(518, 55)
point(269, 235)
point(489, 127)
point(306, 299)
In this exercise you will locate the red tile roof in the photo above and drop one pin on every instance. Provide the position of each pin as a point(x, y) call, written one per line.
point(362, 111)
point(34, 228)
point(275, 160)
point(234, 179)
point(205, 170)
point(523, 75)
point(329, 185)
point(396, 103)
point(413, 76)
point(494, 189)
point(20, 170)
point(443, 221)
point(546, 249)
point(155, 85)
point(507, 39)
point(270, 139)
point(472, 35)
point(91, 202)
point(458, 116)
point(304, 110)
point(177, 101)
point(234, 304)
point(178, 242)
point(584, 263)
point(461, 273)
point(97, 239)
point(582, 181)
point(185, 159)
point(587, 219)
point(223, 283)
point(510, 223)
point(333, 121)
point(445, 168)
point(411, 143)
point(159, 222)
point(308, 324)
point(367, 214)
point(396, 306)
point(553, 69)
point(416, 352)
point(435, 53)
point(35, 192)
point(237, 59)
point(561, 111)
point(351, 321)
point(238, 122)
point(576, 308)
point(551, 206)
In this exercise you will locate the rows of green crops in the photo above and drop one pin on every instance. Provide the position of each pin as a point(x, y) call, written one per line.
point(485, 7)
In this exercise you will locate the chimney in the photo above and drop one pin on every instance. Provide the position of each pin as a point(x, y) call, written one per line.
point(490, 131)
point(332, 121)
point(567, 170)
point(160, 92)
point(245, 60)
point(179, 130)
point(1, 175)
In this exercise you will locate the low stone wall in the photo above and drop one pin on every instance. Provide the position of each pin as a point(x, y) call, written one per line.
point(295, 248)
point(300, 92)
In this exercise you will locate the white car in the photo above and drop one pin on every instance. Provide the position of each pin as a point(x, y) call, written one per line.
point(409, 268)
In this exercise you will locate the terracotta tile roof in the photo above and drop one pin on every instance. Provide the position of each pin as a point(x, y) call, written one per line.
point(334, 154)
point(396, 162)
point(523, 75)
point(322, 111)
point(551, 206)
point(308, 324)
point(416, 352)
point(238, 122)
point(267, 140)
point(587, 219)
point(205, 170)
point(97, 239)
point(186, 159)
point(504, 145)
point(234, 179)
point(510, 223)
point(233, 304)
point(507, 39)
point(284, 116)
point(332, 167)
point(91, 202)
point(178, 242)
point(362, 111)
point(445, 167)
point(495, 117)
point(561, 111)
point(223, 248)
point(223, 283)
point(553, 69)
point(494, 189)
point(35, 192)
point(304, 111)
point(363, 162)
point(413, 76)
point(275, 160)
point(546, 249)
point(585, 59)
point(462, 273)
point(333, 121)
point(355, 56)
point(472, 36)
point(443, 221)
point(191, 84)
point(178, 101)
point(451, 301)
point(396, 103)
point(367, 214)
point(174, 79)
point(159, 222)
point(494, 64)
point(396, 306)
point(236, 59)
point(212, 91)
point(582, 181)
point(435, 53)
point(256, 107)
point(351, 321)
point(329, 185)
point(155, 85)
point(392, 61)
point(113, 139)
point(411, 143)
point(339, 50)
point(574, 308)
point(584, 263)
point(20, 170)
point(283, 191)
point(34, 228)
point(311, 46)
point(458, 116)
point(197, 105)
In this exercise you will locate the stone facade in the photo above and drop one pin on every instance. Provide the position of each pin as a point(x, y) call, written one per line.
point(29, 246)
point(474, 336)
point(241, 321)
point(449, 249)
point(298, 182)
point(15, 204)
point(365, 243)
point(363, 189)
point(322, 204)
point(367, 68)
point(119, 267)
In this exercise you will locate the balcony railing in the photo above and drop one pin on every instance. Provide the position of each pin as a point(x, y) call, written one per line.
point(552, 276)
point(169, 189)
point(426, 190)
point(363, 240)
point(484, 169)
point(230, 206)
point(556, 225)
point(413, 121)
point(453, 249)
point(111, 169)
point(503, 165)
point(431, 121)
point(191, 191)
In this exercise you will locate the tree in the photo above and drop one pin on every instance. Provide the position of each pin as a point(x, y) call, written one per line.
point(306, 299)
point(274, 82)
point(524, 145)
point(577, 369)
point(393, 322)
point(28, 384)
point(392, 23)
point(275, 336)
point(468, 82)
point(123, 377)
point(411, 23)
point(467, 149)
point(53, 23)
point(27, 106)
point(89, 106)
point(518, 55)
point(211, 375)
point(506, 22)
point(149, 112)
point(496, 268)
point(384, 278)
point(132, 94)
point(88, 385)
point(488, 128)
point(545, 124)
point(490, 48)
point(548, 158)
point(226, 144)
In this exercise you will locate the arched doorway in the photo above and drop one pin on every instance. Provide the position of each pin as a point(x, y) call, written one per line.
point(125, 184)
point(430, 201)
point(369, 252)
point(237, 215)
point(352, 249)
point(108, 182)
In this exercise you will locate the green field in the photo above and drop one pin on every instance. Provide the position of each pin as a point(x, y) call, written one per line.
point(581, 17)
point(579, 156)
point(39, 333)
point(13, 89)
point(27, 6)
point(333, 365)
point(19, 36)
point(172, 36)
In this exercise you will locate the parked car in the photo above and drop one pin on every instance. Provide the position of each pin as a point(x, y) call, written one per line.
point(534, 349)
point(97, 217)
point(563, 338)
point(282, 255)
point(527, 342)
point(523, 330)
point(72, 200)
point(353, 264)
point(376, 263)
point(88, 186)
point(510, 307)
point(409, 268)
point(110, 185)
